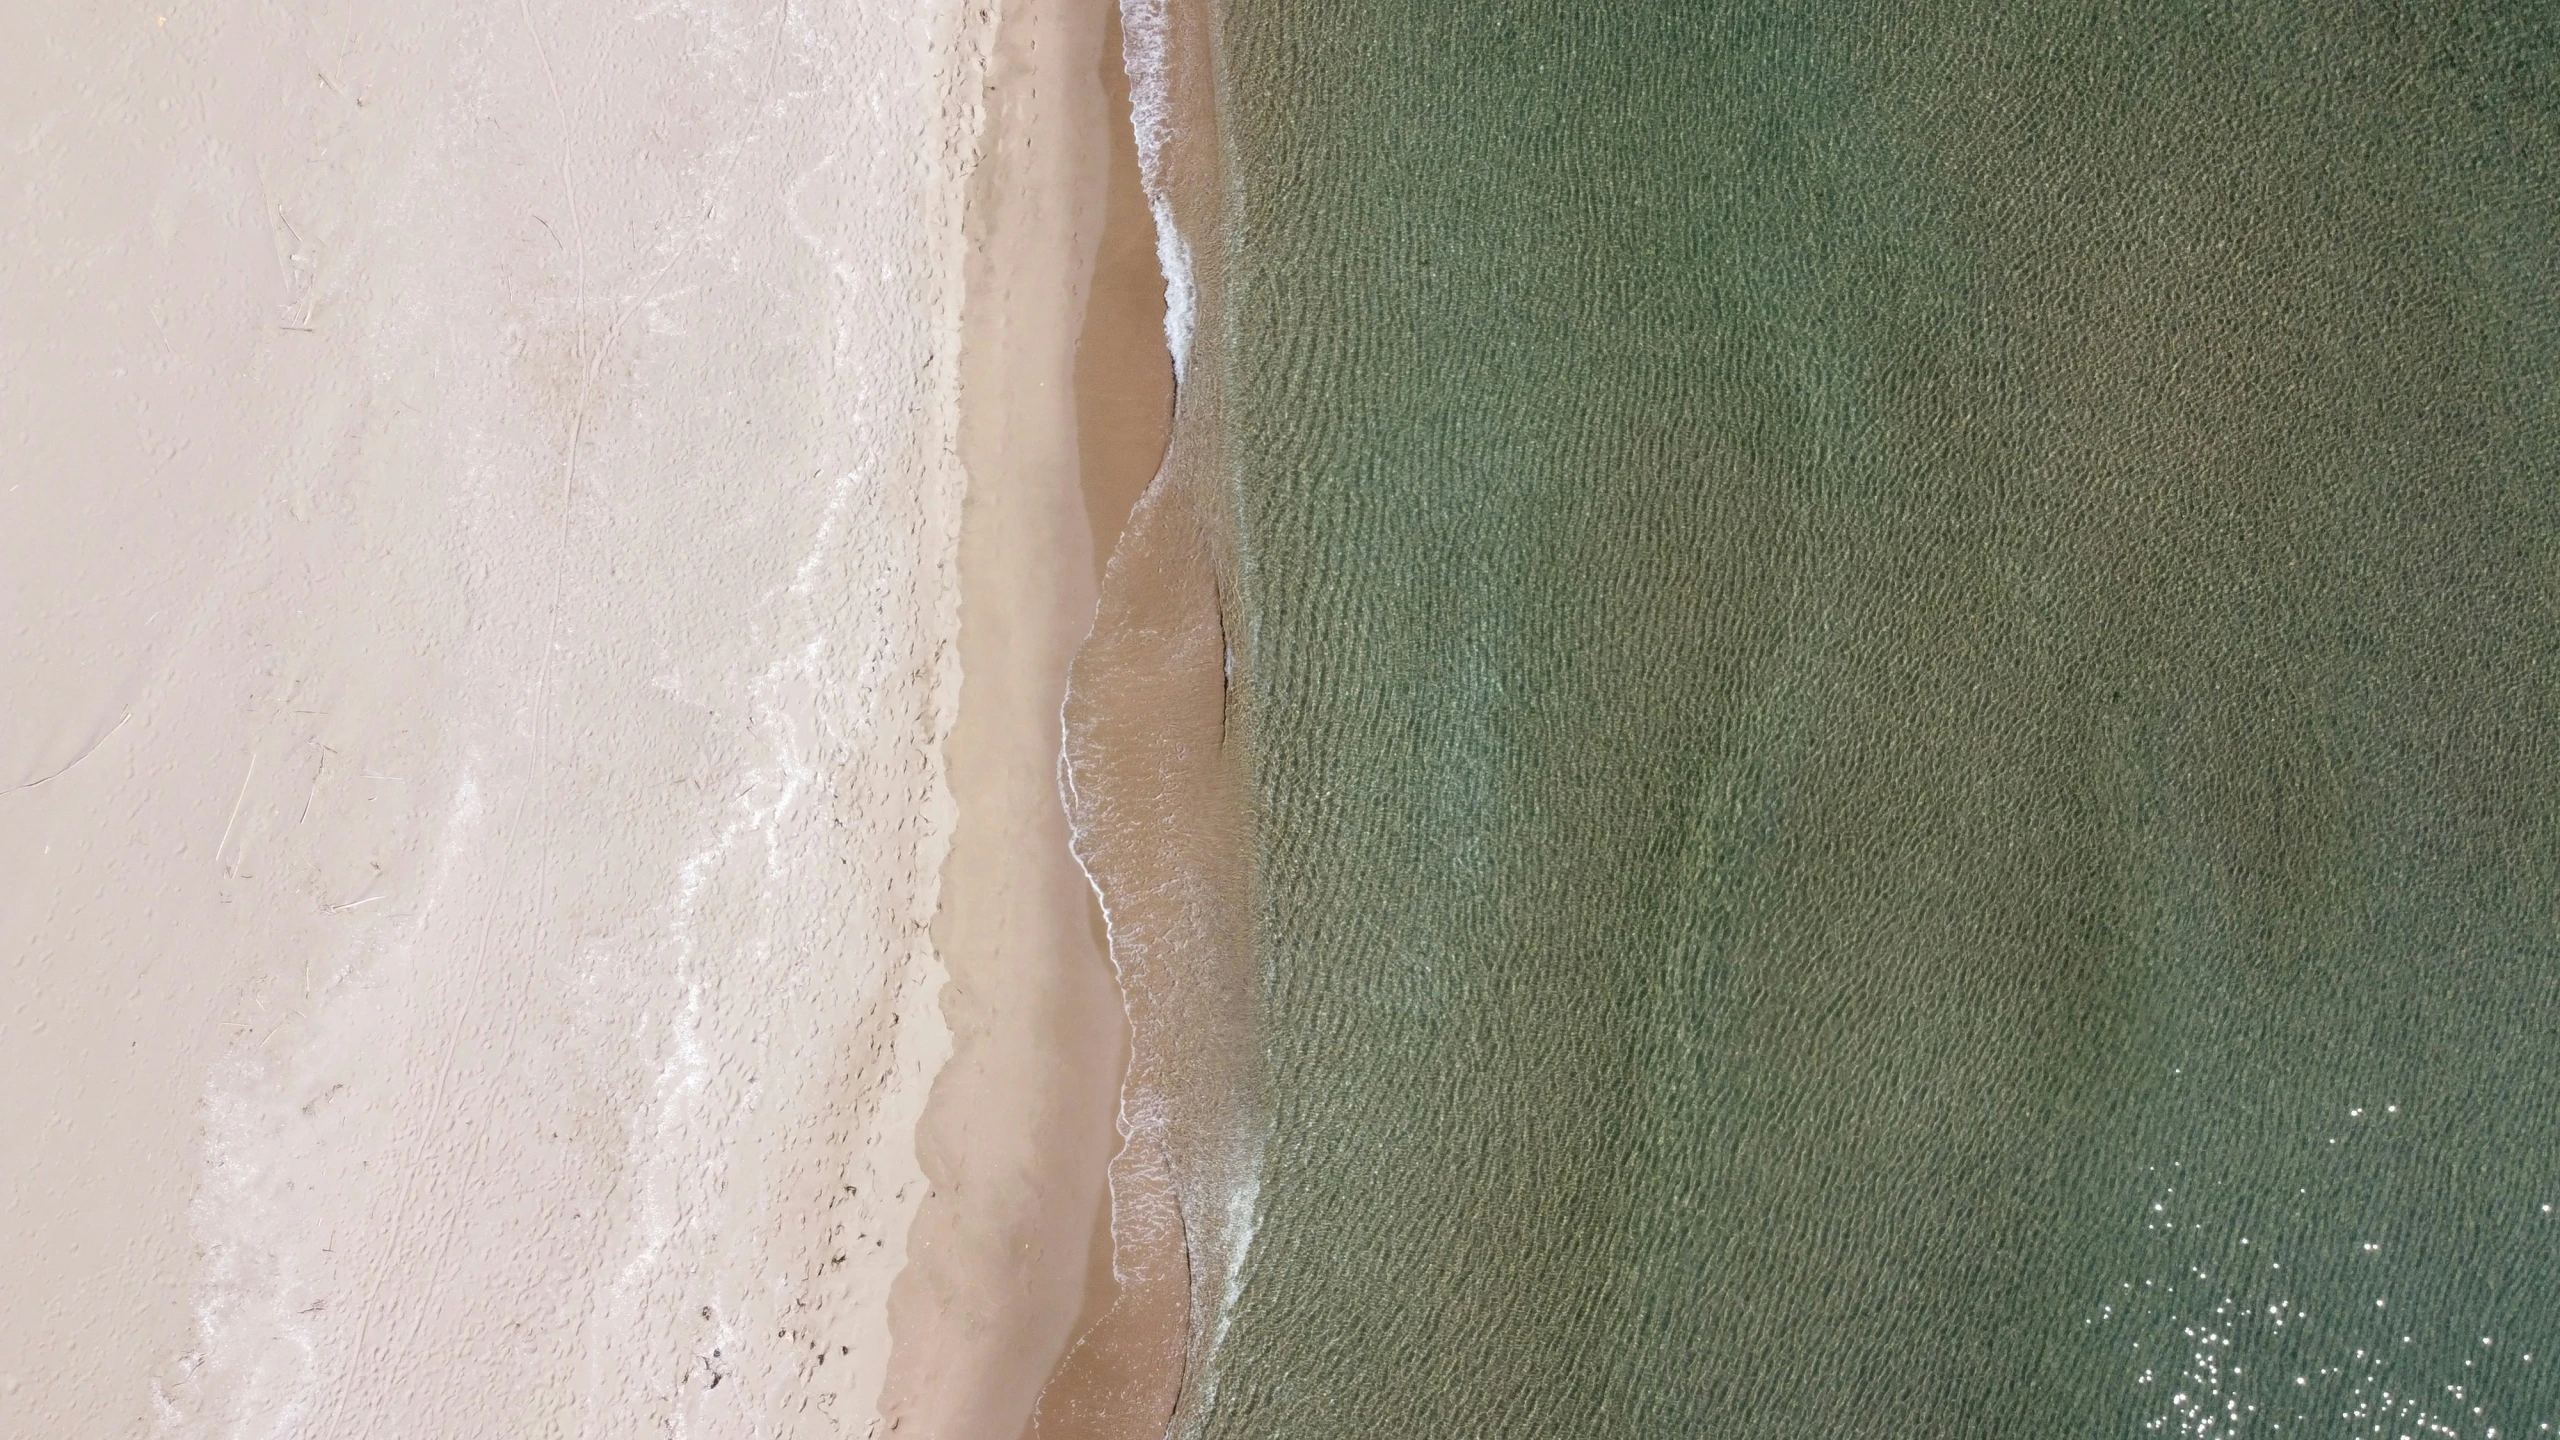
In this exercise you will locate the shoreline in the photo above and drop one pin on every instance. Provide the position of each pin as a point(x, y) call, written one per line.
point(1062, 423)
point(652, 858)
point(1157, 793)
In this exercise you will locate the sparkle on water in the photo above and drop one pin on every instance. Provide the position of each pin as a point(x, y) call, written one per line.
point(2227, 1349)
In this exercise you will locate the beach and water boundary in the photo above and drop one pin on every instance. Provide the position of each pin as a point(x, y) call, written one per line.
point(1830, 721)
point(518, 587)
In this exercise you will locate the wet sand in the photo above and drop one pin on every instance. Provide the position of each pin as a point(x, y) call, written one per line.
point(1124, 372)
point(1155, 751)
point(1062, 422)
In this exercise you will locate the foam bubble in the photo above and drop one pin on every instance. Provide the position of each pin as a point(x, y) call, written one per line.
point(1146, 50)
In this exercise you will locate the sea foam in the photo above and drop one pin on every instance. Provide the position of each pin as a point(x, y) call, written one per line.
point(1146, 51)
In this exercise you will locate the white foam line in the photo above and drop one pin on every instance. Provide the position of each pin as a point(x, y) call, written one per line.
point(1242, 1220)
point(1146, 50)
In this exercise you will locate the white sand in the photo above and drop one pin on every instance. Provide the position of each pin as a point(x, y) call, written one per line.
point(479, 528)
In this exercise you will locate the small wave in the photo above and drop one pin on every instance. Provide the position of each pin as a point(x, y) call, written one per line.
point(1244, 1203)
point(1146, 49)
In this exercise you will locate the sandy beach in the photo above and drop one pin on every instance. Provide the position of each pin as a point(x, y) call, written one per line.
point(1065, 403)
point(543, 545)
point(1156, 749)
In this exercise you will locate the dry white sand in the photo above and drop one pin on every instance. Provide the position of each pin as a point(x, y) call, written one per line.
point(480, 604)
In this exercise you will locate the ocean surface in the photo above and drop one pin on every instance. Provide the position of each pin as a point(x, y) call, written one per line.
point(1901, 671)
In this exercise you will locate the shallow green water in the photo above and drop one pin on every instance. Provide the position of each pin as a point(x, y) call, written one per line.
point(1904, 684)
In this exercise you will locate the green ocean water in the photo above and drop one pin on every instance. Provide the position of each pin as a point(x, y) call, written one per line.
point(1905, 710)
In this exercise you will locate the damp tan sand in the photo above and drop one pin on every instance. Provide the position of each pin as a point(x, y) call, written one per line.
point(1056, 386)
point(1043, 1287)
point(1155, 752)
